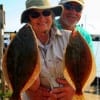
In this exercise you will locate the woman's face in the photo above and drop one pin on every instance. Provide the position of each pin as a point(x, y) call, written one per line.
point(41, 20)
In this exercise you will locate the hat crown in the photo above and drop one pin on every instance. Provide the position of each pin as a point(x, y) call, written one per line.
point(37, 3)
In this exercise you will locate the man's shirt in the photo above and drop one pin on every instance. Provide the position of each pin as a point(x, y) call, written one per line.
point(86, 35)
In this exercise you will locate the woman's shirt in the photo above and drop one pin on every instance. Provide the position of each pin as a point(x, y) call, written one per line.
point(52, 57)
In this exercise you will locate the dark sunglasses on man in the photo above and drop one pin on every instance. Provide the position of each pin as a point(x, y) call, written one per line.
point(36, 14)
point(70, 6)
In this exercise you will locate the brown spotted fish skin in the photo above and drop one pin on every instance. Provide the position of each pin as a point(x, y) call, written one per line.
point(78, 61)
point(21, 59)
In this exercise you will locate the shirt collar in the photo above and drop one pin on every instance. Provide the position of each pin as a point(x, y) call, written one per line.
point(54, 32)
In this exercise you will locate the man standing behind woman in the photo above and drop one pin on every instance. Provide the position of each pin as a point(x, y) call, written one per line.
point(51, 84)
point(71, 16)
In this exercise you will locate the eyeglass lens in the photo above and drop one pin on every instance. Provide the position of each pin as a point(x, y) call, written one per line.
point(35, 14)
point(69, 6)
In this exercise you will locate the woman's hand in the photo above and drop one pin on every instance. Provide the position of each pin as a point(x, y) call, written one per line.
point(63, 93)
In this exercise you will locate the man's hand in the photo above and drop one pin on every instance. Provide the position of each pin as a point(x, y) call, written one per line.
point(63, 93)
point(40, 94)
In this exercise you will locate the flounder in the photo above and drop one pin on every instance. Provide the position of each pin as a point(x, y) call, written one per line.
point(21, 62)
point(79, 63)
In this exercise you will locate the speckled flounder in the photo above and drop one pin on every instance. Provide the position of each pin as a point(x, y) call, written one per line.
point(79, 63)
point(21, 65)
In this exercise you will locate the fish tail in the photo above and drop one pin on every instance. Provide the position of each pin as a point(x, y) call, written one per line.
point(15, 97)
point(79, 97)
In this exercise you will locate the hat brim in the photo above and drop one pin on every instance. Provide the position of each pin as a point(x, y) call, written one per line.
point(57, 10)
point(77, 1)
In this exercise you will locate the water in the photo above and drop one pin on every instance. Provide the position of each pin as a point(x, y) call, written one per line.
point(97, 56)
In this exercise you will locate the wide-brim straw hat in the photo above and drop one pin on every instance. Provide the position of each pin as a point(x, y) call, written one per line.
point(40, 4)
point(81, 2)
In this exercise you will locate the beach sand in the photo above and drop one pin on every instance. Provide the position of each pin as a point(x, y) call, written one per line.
point(91, 96)
point(92, 93)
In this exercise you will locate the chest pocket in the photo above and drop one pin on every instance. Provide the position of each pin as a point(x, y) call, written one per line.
point(54, 60)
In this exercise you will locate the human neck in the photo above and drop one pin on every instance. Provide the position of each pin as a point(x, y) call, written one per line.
point(43, 37)
point(67, 27)
point(70, 27)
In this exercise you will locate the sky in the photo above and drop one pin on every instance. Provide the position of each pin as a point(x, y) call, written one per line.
point(14, 8)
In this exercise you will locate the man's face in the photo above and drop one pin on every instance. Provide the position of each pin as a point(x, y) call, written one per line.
point(71, 14)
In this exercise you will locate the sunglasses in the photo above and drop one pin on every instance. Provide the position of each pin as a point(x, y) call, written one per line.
point(69, 6)
point(35, 14)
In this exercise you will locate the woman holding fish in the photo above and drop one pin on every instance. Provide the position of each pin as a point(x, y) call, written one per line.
point(52, 43)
